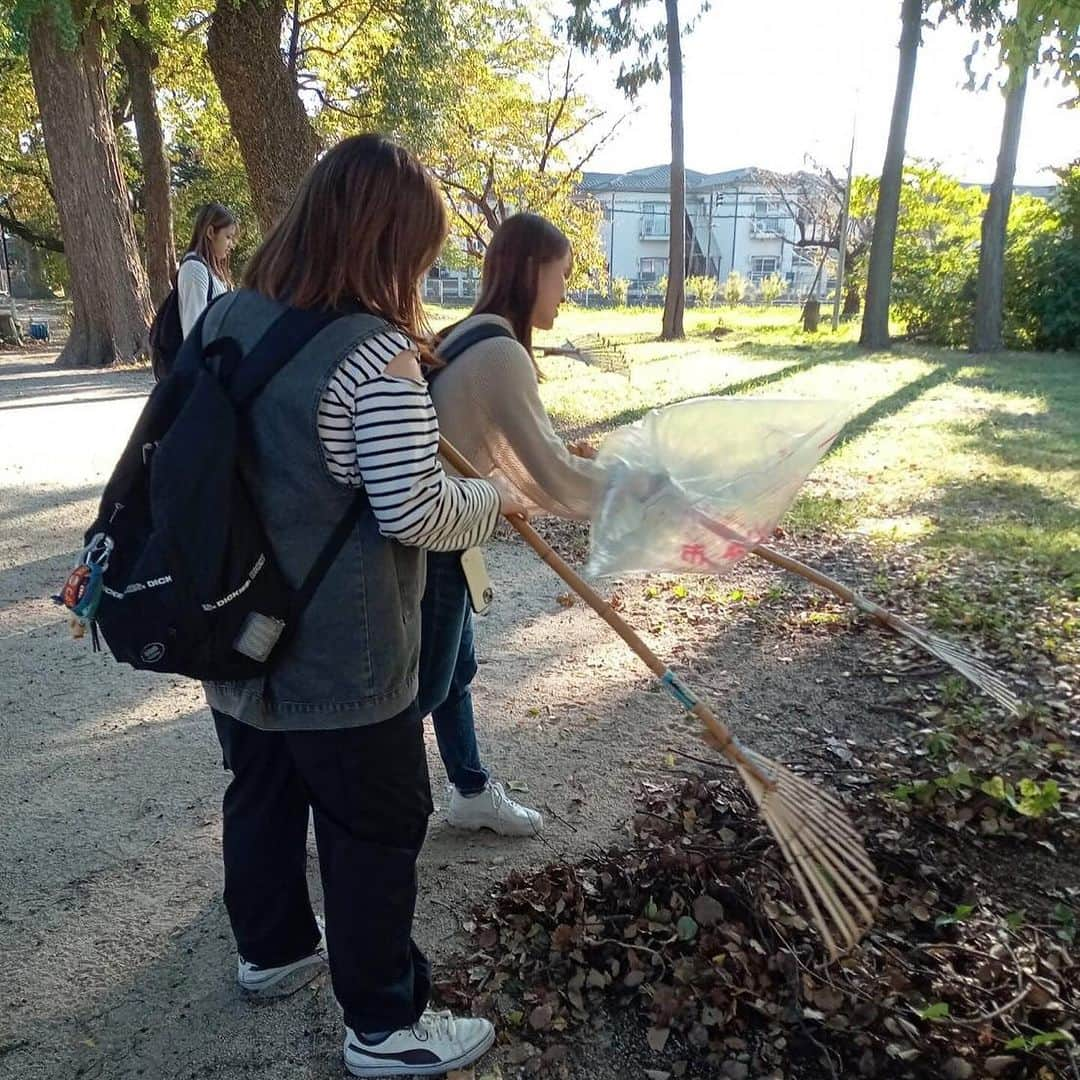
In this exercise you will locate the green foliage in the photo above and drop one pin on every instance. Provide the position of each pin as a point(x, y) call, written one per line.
point(1034, 1042)
point(938, 1011)
point(734, 290)
point(701, 289)
point(936, 253)
point(772, 288)
point(958, 914)
point(1042, 284)
point(25, 182)
point(1065, 923)
point(636, 29)
point(507, 129)
point(62, 13)
point(620, 290)
point(937, 256)
point(1028, 798)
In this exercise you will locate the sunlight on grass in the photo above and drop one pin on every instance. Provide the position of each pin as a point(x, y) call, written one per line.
point(979, 458)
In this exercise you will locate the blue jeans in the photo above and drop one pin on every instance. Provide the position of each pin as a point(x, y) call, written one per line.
point(447, 669)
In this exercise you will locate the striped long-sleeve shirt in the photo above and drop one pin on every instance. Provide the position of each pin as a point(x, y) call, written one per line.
point(380, 433)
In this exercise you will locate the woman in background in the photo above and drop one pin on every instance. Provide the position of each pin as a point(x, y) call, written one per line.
point(487, 398)
point(204, 271)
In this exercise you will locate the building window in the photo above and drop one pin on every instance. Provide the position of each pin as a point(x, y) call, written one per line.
point(762, 266)
point(650, 270)
point(768, 215)
point(655, 220)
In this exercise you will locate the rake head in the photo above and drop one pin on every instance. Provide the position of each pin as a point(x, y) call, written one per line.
point(593, 350)
point(825, 853)
point(972, 668)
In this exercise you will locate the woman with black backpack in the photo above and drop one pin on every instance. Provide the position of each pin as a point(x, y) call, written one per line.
point(204, 271)
point(345, 427)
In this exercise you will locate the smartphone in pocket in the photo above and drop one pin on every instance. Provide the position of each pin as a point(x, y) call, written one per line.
point(476, 578)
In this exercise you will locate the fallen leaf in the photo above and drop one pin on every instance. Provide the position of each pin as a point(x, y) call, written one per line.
point(658, 1038)
point(686, 928)
point(540, 1018)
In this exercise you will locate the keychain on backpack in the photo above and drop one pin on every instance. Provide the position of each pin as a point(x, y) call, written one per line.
point(81, 593)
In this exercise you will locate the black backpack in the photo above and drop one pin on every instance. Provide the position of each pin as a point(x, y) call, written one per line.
point(188, 580)
point(166, 333)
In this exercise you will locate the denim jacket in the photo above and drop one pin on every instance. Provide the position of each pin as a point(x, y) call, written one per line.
point(353, 658)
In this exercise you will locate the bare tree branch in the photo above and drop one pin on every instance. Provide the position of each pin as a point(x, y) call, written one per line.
point(330, 12)
point(583, 161)
point(30, 234)
point(333, 106)
point(309, 49)
point(197, 24)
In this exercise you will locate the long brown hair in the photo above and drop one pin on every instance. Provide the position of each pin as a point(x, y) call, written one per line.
point(519, 247)
point(366, 223)
point(212, 216)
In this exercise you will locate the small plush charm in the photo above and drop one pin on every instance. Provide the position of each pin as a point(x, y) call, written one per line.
point(81, 593)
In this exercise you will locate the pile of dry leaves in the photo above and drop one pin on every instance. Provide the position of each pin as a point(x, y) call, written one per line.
point(695, 928)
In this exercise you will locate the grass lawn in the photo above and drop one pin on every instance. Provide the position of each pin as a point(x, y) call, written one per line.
point(964, 460)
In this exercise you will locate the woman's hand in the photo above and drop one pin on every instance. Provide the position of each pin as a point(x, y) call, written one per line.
point(581, 449)
point(510, 502)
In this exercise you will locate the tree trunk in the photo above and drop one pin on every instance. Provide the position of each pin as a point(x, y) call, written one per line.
point(276, 139)
point(108, 284)
point(875, 324)
point(990, 287)
point(675, 299)
point(852, 301)
point(139, 63)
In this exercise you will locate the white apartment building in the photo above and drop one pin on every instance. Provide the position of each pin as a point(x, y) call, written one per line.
point(734, 222)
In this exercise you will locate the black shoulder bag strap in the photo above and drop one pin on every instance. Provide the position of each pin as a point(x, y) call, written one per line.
point(187, 257)
point(247, 376)
point(473, 336)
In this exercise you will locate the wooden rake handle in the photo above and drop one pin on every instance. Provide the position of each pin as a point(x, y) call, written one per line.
point(721, 736)
point(801, 569)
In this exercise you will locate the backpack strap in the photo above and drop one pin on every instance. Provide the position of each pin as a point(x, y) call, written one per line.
point(279, 343)
point(187, 257)
point(473, 336)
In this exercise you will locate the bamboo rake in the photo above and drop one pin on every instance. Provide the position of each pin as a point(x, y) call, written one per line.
point(811, 827)
point(978, 673)
point(592, 350)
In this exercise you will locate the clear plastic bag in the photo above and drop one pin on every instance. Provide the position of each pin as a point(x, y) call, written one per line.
point(690, 488)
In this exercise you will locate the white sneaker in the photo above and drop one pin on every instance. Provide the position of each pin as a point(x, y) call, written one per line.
point(436, 1043)
point(493, 809)
point(257, 980)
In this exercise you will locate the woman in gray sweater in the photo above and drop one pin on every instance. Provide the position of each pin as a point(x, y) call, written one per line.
point(488, 403)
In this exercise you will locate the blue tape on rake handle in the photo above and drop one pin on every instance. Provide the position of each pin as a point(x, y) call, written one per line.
point(677, 690)
point(686, 698)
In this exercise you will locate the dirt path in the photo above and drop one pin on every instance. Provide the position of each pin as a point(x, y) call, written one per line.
point(115, 954)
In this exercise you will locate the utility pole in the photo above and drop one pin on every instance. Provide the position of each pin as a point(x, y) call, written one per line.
point(7, 264)
point(841, 255)
point(734, 228)
point(708, 240)
point(611, 246)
